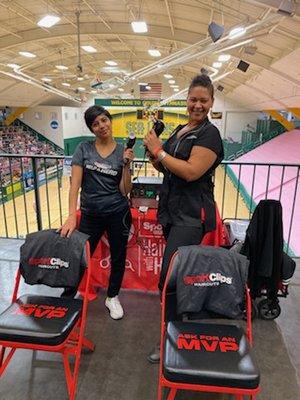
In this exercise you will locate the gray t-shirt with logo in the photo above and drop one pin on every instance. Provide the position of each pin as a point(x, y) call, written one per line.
point(100, 193)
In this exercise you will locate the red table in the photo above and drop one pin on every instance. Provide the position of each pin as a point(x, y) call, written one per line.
point(144, 253)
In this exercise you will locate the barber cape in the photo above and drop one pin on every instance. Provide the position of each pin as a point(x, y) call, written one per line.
point(211, 279)
point(50, 259)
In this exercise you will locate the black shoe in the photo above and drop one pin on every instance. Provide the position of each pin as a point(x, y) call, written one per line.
point(154, 356)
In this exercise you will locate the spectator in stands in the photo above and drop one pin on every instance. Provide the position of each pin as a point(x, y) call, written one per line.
point(187, 159)
point(101, 169)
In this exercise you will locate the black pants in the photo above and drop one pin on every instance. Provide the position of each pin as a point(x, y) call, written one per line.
point(117, 227)
point(177, 236)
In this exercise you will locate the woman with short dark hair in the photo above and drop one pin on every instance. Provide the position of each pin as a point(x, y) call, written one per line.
point(101, 169)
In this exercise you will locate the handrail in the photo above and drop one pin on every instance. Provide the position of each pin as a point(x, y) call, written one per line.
point(52, 171)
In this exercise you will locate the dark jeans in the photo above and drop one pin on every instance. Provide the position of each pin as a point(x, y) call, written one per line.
point(177, 236)
point(117, 227)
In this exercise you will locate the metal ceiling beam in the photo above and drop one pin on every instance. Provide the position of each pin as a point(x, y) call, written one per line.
point(99, 16)
point(3, 28)
point(13, 10)
point(170, 17)
point(22, 77)
point(268, 67)
point(274, 4)
point(59, 31)
point(200, 49)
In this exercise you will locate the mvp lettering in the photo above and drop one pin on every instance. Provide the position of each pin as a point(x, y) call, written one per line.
point(211, 344)
point(41, 311)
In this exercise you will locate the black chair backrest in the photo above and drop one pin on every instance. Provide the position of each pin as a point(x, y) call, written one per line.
point(49, 259)
point(204, 279)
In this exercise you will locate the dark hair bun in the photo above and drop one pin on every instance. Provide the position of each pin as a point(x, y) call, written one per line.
point(204, 81)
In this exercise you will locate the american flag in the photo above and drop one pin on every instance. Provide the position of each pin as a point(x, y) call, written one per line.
point(153, 93)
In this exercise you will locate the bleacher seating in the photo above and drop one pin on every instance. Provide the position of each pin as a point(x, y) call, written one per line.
point(19, 140)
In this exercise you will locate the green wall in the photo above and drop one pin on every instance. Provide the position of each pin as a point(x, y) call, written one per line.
point(71, 144)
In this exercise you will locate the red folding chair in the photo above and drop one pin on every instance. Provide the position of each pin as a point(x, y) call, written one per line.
point(45, 323)
point(204, 355)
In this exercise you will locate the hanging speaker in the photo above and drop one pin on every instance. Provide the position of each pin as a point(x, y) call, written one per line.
point(243, 65)
point(220, 88)
point(215, 31)
point(287, 8)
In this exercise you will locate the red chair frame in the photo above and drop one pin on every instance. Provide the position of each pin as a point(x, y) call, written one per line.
point(174, 386)
point(72, 345)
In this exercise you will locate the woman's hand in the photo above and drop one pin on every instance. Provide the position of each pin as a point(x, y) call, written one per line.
point(150, 156)
point(152, 142)
point(128, 156)
point(68, 227)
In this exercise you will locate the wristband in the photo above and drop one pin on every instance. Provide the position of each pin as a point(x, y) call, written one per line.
point(161, 155)
point(156, 151)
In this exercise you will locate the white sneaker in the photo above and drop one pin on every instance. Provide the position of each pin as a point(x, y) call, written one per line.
point(115, 309)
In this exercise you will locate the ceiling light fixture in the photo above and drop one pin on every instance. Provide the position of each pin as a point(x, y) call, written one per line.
point(111, 63)
point(27, 54)
point(61, 67)
point(89, 49)
point(45, 79)
point(139, 26)
point(121, 89)
point(171, 82)
point(81, 89)
point(13, 65)
point(34, 82)
point(154, 53)
point(224, 57)
point(237, 32)
point(168, 76)
point(66, 84)
point(217, 64)
point(48, 21)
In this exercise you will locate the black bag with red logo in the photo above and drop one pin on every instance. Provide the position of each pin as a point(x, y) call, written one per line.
point(50, 259)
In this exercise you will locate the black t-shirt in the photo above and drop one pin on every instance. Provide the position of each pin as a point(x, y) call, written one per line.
point(185, 203)
point(208, 136)
point(100, 193)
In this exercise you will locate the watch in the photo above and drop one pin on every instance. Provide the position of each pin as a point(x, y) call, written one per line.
point(161, 155)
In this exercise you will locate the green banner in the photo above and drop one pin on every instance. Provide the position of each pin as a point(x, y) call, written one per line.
point(137, 103)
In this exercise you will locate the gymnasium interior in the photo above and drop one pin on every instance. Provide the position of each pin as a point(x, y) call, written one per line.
point(136, 58)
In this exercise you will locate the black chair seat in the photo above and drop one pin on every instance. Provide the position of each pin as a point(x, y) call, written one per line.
point(39, 319)
point(209, 354)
